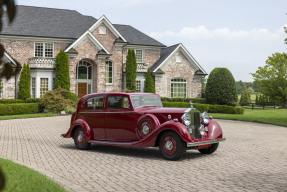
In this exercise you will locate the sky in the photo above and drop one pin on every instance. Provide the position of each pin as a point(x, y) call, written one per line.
point(239, 35)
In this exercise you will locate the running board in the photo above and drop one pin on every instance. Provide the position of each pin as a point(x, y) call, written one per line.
point(114, 143)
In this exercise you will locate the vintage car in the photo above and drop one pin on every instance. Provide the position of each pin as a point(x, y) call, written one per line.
point(140, 120)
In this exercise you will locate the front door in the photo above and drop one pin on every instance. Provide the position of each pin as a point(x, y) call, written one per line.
point(82, 89)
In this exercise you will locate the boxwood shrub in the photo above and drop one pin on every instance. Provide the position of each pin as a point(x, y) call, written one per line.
point(178, 99)
point(207, 107)
point(19, 108)
point(10, 101)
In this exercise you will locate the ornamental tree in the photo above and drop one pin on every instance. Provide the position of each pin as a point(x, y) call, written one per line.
point(131, 69)
point(62, 71)
point(25, 83)
point(221, 87)
point(272, 78)
point(149, 86)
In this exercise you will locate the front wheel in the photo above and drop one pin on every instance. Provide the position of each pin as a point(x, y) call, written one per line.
point(209, 150)
point(80, 139)
point(171, 146)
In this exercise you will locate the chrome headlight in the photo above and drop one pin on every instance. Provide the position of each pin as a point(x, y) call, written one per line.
point(186, 119)
point(205, 118)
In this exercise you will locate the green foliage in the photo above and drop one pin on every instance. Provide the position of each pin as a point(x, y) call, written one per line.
point(245, 97)
point(221, 88)
point(25, 83)
point(33, 100)
point(203, 82)
point(207, 107)
point(72, 97)
point(250, 85)
point(149, 86)
point(70, 110)
point(272, 78)
point(55, 101)
point(1, 87)
point(19, 108)
point(131, 69)
point(188, 100)
point(11, 101)
point(62, 71)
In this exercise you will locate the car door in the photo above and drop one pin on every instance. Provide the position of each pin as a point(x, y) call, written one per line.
point(120, 121)
point(95, 116)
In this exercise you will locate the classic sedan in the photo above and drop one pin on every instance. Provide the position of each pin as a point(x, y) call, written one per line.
point(140, 120)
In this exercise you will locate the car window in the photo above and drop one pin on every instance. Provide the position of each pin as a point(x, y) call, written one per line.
point(118, 102)
point(95, 103)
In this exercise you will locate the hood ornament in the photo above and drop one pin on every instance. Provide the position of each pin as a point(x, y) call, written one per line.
point(191, 105)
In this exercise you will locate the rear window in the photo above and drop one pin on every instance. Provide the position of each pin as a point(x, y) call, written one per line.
point(95, 103)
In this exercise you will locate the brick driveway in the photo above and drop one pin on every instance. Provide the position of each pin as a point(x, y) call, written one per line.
point(253, 158)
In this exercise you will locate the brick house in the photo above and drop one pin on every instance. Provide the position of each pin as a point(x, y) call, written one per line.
point(97, 51)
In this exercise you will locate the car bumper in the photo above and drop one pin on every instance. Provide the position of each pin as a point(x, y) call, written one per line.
point(205, 142)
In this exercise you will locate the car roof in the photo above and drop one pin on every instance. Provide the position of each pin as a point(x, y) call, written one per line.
point(115, 93)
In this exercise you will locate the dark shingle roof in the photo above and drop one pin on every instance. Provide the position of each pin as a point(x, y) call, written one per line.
point(164, 53)
point(62, 23)
point(135, 37)
point(47, 22)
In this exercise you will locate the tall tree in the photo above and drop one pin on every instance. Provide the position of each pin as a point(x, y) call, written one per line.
point(25, 83)
point(62, 71)
point(131, 69)
point(272, 78)
point(149, 86)
point(135, 66)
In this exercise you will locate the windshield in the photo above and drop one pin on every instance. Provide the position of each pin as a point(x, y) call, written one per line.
point(146, 100)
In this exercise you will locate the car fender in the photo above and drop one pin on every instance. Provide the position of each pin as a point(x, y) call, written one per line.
point(147, 117)
point(179, 128)
point(82, 123)
point(214, 130)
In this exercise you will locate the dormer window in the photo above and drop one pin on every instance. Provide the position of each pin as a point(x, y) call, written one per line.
point(179, 59)
point(44, 50)
point(102, 30)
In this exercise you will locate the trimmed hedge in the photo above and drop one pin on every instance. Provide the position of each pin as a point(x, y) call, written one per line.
point(33, 100)
point(19, 108)
point(207, 107)
point(178, 99)
point(11, 101)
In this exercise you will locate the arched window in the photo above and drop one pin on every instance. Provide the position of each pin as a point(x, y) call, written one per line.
point(178, 87)
point(84, 70)
point(109, 72)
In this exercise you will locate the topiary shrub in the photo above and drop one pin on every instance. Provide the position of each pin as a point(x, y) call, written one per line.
point(25, 83)
point(72, 97)
point(62, 71)
point(33, 100)
point(149, 86)
point(55, 100)
point(11, 101)
point(19, 108)
point(221, 88)
point(70, 110)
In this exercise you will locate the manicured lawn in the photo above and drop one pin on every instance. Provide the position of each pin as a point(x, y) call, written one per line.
point(21, 178)
point(6, 117)
point(269, 116)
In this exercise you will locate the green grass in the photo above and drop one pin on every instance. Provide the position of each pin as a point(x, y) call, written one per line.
point(6, 117)
point(21, 178)
point(268, 116)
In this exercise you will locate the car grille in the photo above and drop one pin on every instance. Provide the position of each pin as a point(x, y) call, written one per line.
point(195, 124)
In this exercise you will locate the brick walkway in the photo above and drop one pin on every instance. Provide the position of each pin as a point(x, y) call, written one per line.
point(253, 158)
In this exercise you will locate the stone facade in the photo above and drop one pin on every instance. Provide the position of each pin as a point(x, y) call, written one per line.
point(185, 70)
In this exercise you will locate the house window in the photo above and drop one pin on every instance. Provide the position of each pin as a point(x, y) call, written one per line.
point(54, 83)
point(102, 30)
point(178, 58)
point(109, 72)
point(1, 90)
point(178, 87)
point(33, 87)
point(44, 86)
point(138, 86)
point(44, 50)
point(84, 70)
point(139, 55)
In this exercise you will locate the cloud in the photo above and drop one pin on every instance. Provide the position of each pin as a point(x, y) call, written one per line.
point(201, 32)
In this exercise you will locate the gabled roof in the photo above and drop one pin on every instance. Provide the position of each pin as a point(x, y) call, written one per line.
point(66, 24)
point(167, 53)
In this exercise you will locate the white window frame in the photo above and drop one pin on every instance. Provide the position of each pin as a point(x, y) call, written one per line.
point(112, 72)
point(44, 46)
point(35, 87)
point(178, 58)
point(139, 85)
point(88, 81)
point(178, 83)
point(142, 54)
point(40, 85)
point(102, 30)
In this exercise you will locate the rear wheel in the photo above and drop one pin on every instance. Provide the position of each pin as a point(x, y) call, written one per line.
point(171, 146)
point(209, 150)
point(80, 139)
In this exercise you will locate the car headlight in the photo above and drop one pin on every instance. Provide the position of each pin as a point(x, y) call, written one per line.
point(205, 117)
point(186, 119)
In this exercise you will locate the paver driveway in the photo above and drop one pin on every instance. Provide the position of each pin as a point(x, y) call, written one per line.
point(253, 158)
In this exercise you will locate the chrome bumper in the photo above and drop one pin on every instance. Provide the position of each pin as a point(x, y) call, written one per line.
point(205, 142)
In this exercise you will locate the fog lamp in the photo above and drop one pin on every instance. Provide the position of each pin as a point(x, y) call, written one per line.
point(202, 130)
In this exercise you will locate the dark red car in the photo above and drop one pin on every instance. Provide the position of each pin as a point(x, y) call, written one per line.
point(140, 120)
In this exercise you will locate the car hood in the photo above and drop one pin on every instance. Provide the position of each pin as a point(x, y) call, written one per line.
point(160, 110)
